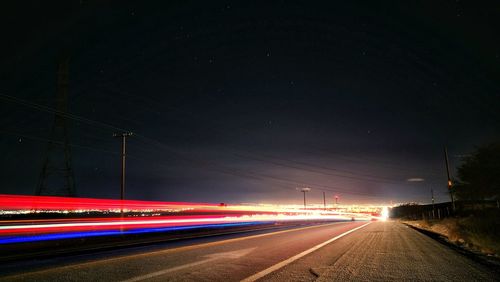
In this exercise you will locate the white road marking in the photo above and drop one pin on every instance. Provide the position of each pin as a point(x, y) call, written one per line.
point(279, 265)
point(226, 255)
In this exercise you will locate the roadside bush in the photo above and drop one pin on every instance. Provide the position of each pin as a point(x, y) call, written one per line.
point(483, 232)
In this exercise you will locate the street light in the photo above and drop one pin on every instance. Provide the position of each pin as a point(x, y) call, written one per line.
point(304, 190)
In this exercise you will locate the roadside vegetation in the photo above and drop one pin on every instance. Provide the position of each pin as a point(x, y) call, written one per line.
point(475, 223)
point(476, 232)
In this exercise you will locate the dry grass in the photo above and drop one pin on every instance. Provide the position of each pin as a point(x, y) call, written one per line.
point(481, 233)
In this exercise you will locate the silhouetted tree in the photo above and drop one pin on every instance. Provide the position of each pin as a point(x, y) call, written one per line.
point(479, 174)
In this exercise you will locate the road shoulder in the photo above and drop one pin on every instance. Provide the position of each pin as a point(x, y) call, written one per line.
point(385, 251)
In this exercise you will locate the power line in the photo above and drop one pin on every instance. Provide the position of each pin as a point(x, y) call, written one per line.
point(259, 175)
point(377, 180)
point(44, 108)
point(353, 175)
point(37, 138)
point(364, 160)
point(163, 145)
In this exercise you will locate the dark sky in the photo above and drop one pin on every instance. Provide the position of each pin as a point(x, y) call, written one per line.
point(245, 102)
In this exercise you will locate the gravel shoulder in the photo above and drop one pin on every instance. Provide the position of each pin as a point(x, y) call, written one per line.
point(385, 251)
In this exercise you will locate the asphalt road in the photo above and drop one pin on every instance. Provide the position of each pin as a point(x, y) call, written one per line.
point(358, 251)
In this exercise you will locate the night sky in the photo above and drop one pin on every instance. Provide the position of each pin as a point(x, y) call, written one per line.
point(247, 102)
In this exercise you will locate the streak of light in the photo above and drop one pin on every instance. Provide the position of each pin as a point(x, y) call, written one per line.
point(155, 217)
point(20, 202)
point(73, 235)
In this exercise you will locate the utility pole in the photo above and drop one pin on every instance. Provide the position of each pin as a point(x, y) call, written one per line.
point(450, 184)
point(337, 201)
point(432, 198)
point(324, 201)
point(123, 136)
point(304, 190)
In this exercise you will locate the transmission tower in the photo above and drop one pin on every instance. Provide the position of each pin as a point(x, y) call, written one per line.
point(56, 177)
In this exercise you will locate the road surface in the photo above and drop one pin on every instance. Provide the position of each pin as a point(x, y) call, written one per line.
point(356, 251)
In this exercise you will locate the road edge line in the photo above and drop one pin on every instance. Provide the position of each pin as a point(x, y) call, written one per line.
point(281, 264)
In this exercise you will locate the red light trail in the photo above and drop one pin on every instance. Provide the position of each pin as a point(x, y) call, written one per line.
point(153, 218)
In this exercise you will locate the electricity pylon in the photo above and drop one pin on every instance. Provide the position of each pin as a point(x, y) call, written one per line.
point(56, 177)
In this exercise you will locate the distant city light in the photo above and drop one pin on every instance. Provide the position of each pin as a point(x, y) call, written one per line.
point(85, 217)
